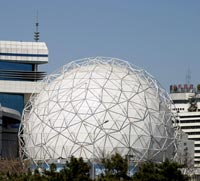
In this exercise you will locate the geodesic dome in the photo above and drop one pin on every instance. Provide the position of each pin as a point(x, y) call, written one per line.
point(95, 107)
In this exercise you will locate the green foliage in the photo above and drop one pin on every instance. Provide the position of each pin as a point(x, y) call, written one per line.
point(76, 170)
point(115, 168)
point(166, 171)
point(148, 172)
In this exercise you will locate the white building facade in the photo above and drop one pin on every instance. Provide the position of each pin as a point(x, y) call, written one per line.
point(19, 78)
point(186, 100)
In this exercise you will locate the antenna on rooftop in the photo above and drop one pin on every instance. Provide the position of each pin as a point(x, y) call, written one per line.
point(36, 33)
point(188, 76)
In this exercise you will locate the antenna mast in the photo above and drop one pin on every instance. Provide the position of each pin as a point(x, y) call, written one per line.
point(188, 76)
point(36, 33)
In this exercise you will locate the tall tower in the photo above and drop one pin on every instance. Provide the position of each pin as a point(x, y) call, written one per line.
point(37, 33)
point(36, 38)
point(188, 76)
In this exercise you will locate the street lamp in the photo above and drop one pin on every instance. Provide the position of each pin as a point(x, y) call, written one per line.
point(93, 166)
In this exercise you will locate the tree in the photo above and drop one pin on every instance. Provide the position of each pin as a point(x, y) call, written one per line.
point(148, 172)
point(115, 168)
point(166, 171)
point(75, 170)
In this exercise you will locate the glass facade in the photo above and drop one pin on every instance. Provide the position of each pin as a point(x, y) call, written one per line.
point(15, 66)
point(13, 101)
point(16, 71)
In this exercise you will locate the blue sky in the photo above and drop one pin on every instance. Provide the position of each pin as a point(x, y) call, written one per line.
point(163, 37)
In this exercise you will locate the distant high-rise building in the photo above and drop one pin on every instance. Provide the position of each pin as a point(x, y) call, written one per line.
point(19, 77)
point(186, 100)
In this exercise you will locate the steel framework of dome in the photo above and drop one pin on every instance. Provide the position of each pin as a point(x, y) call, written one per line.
point(95, 107)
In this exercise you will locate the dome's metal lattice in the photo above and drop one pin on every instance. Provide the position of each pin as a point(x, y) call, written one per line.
point(95, 107)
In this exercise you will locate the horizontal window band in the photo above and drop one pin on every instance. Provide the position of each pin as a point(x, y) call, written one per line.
point(20, 78)
point(21, 72)
point(23, 55)
point(192, 116)
point(21, 75)
point(6, 132)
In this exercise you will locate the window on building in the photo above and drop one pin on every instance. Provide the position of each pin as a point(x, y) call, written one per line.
point(13, 101)
point(15, 66)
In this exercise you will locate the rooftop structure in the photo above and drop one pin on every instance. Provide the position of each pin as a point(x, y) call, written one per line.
point(23, 52)
point(20, 60)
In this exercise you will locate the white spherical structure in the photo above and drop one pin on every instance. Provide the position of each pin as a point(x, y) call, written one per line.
point(98, 106)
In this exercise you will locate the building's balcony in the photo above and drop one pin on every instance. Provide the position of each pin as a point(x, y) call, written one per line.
point(21, 75)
